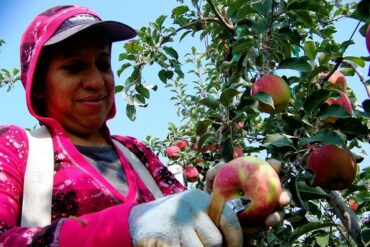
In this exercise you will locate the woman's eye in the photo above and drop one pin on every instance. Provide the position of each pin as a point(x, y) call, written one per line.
point(73, 68)
point(104, 66)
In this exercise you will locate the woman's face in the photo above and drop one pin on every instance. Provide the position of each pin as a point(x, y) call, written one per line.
point(79, 84)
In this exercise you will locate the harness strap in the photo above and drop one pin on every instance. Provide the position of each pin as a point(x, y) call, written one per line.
point(141, 170)
point(38, 179)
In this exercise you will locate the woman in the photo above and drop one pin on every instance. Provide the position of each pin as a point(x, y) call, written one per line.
point(98, 198)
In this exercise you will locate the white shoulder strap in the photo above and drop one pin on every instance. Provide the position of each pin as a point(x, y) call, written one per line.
point(141, 170)
point(38, 179)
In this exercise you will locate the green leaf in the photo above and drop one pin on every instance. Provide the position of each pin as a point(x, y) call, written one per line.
point(278, 140)
point(310, 226)
point(162, 74)
point(362, 12)
point(352, 127)
point(132, 46)
point(304, 4)
point(299, 64)
point(118, 88)
point(184, 34)
point(314, 101)
point(160, 20)
point(322, 240)
point(202, 126)
point(265, 98)
point(243, 45)
point(310, 50)
point(366, 105)
point(170, 51)
point(310, 193)
point(365, 234)
point(209, 102)
point(180, 10)
point(131, 112)
point(228, 95)
point(142, 91)
point(325, 136)
point(357, 60)
point(122, 68)
point(262, 7)
point(204, 138)
point(335, 111)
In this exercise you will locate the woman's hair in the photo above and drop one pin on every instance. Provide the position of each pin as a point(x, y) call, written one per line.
point(39, 80)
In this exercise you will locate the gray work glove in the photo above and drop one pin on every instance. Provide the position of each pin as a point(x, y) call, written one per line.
point(181, 220)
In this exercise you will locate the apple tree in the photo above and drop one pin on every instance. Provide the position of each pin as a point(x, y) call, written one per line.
point(8, 78)
point(221, 114)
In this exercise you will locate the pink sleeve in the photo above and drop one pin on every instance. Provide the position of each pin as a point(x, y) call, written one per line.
point(109, 227)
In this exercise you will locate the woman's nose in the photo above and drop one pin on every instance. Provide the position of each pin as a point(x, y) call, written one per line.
point(94, 79)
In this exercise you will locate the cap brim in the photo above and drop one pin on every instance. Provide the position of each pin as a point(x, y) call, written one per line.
point(115, 31)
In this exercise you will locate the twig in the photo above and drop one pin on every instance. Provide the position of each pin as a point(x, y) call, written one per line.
point(223, 21)
point(349, 219)
point(360, 75)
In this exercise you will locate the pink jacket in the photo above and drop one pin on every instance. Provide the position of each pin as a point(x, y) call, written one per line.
point(86, 209)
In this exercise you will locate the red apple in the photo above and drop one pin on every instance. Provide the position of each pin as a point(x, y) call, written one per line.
point(238, 152)
point(191, 173)
point(338, 79)
point(334, 168)
point(182, 144)
point(249, 178)
point(342, 101)
point(209, 148)
point(173, 152)
point(277, 88)
point(353, 204)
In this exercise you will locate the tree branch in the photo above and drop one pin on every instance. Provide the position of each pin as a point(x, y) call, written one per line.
point(349, 219)
point(360, 75)
point(223, 21)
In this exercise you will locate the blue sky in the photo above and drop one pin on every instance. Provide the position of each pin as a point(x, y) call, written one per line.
point(153, 120)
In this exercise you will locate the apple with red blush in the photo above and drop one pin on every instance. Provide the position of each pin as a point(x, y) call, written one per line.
point(334, 168)
point(173, 152)
point(277, 88)
point(250, 179)
point(191, 173)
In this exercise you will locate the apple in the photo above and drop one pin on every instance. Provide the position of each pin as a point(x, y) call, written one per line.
point(277, 88)
point(248, 178)
point(237, 152)
point(209, 148)
point(191, 173)
point(353, 204)
point(342, 101)
point(338, 79)
point(173, 152)
point(334, 168)
point(182, 144)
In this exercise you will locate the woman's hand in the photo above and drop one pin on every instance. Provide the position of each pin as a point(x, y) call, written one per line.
point(273, 219)
point(182, 220)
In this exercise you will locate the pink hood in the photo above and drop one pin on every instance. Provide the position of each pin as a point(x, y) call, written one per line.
point(39, 31)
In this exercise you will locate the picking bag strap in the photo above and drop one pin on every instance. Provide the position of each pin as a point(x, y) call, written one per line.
point(141, 170)
point(38, 179)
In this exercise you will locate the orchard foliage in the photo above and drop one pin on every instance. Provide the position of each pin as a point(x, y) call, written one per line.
point(8, 78)
point(244, 40)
